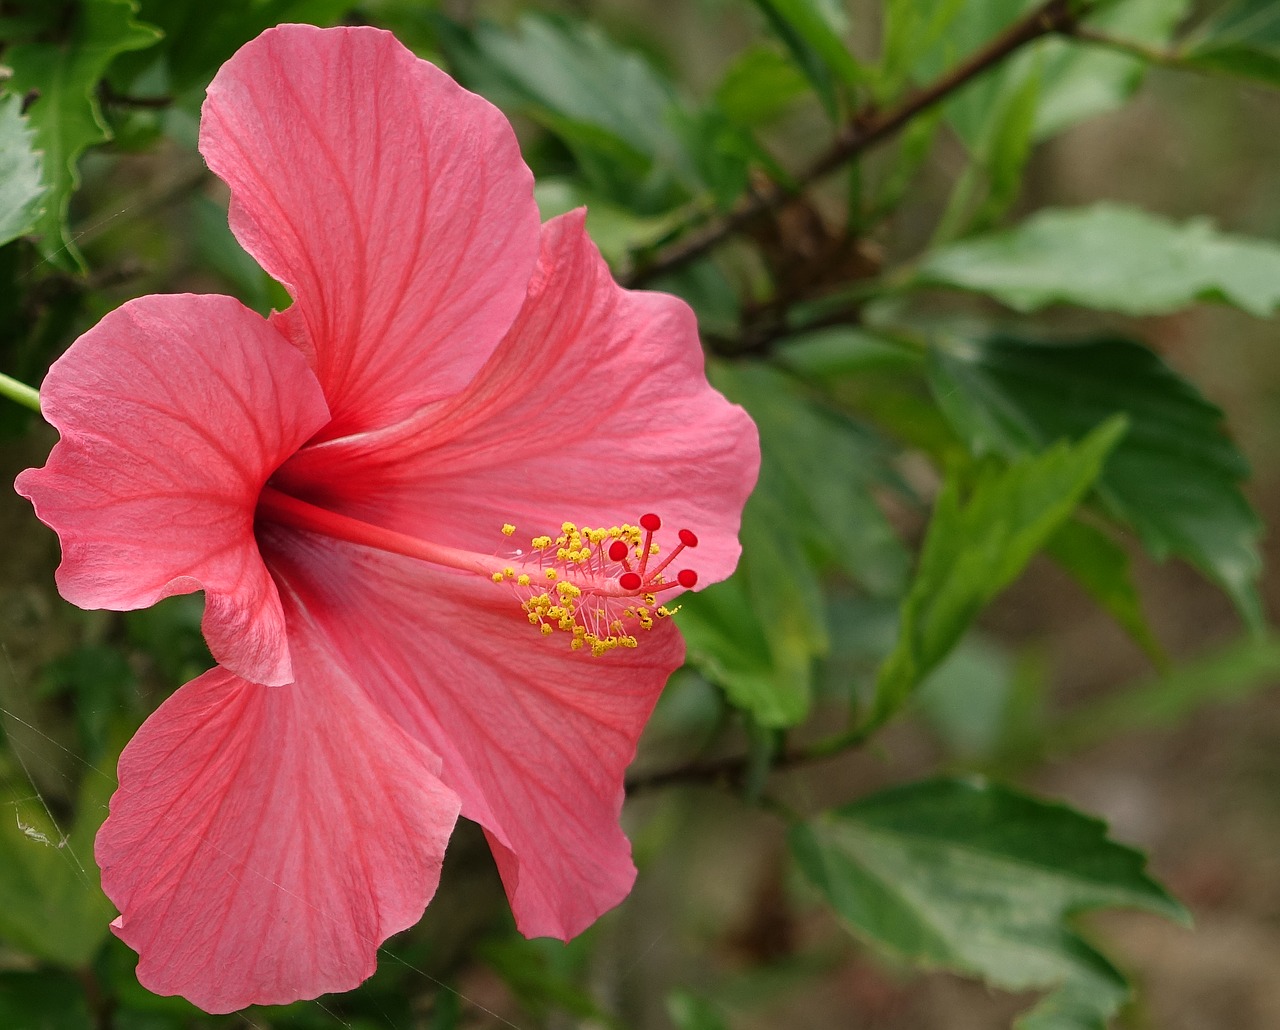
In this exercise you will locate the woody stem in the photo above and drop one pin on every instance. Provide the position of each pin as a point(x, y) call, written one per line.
point(869, 126)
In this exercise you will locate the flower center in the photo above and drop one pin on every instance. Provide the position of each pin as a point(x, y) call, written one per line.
point(597, 585)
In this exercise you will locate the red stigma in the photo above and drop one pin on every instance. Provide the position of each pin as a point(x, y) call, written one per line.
point(650, 522)
point(688, 538)
point(687, 578)
point(630, 581)
point(618, 550)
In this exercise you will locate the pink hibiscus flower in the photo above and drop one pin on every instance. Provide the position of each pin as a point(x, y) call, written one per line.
point(342, 481)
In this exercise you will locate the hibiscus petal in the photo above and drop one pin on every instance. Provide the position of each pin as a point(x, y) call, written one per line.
point(173, 411)
point(393, 204)
point(264, 841)
point(595, 408)
point(534, 737)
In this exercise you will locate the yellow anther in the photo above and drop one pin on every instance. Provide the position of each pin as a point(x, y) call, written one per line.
point(497, 577)
point(508, 529)
point(582, 593)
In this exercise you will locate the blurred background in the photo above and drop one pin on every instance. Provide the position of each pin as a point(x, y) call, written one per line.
point(1047, 691)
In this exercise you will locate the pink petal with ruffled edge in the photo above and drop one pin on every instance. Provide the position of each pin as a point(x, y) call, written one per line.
point(264, 841)
point(595, 408)
point(393, 204)
point(173, 411)
point(535, 738)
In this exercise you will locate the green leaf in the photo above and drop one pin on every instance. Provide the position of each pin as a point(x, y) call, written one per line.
point(913, 32)
point(1243, 40)
point(813, 30)
point(999, 157)
point(615, 230)
point(949, 32)
point(842, 351)
point(978, 879)
point(43, 1001)
point(97, 681)
point(720, 154)
point(1241, 61)
point(1005, 153)
point(1242, 668)
point(20, 187)
point(1076, 81)
point(687, 1011)
point(66, 118)
point(757, 634)
point(759, 87)
point(1083, 81)
point(822, 468)
point(1175, 477)
point(199, 36)
point(50, 903)
point(221, 253)
point(610, 106)
point(1101, 566)
point(574, 70)
point(976, 545)
point(813, 511)
point(909, 159)
point(729, 643)
point(970, 698)
point(169, 633)
point(1112, 258)
point(545, 975)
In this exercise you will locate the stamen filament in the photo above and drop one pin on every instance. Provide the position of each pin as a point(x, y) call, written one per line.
point(291, 511)
point(667, 560)
point(650, 523)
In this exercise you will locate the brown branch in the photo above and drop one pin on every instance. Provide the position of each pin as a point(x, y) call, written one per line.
point(732, 769)
point(867, 127)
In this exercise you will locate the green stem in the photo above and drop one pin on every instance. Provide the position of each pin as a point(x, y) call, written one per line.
point(20, 393)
